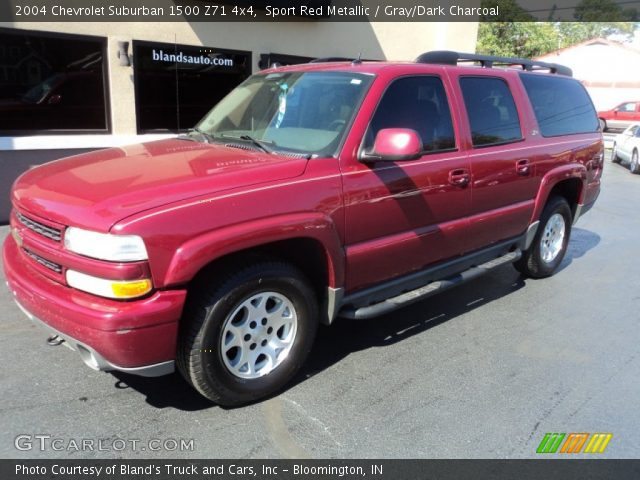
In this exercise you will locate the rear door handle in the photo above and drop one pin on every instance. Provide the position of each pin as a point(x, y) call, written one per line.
point(523, 167)
point(459, 177)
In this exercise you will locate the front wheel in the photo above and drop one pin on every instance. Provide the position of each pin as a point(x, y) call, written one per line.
point(603, 124)
point(614, 154)
point(245, 338)
point(550, 242)
point(634, 165)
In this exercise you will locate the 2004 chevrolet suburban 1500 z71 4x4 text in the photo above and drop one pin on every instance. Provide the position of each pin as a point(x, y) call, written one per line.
point(311, 192)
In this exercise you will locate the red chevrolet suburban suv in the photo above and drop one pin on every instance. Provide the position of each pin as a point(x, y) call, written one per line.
point(311, 192)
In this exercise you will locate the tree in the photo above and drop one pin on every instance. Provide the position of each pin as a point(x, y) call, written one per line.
point(518, 39)
point(603, 10)
point(575, 32)
point(519, 34)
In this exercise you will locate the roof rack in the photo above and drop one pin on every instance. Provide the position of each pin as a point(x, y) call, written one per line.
point(448, 57)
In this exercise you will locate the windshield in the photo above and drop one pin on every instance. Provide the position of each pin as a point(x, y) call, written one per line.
point(299, 112)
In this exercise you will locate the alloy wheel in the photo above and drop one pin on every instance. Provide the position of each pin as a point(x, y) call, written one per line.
point(552, 238)
point(258, 335)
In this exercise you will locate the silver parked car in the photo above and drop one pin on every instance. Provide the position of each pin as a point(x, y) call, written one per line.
point(626, 147)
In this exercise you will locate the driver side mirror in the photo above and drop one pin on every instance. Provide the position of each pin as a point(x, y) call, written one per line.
point(394, 144)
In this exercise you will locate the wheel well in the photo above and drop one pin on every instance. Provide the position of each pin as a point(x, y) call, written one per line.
point(307, 254)
point(569, 189)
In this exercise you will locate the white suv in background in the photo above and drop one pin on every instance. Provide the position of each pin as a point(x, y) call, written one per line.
point(626, 147)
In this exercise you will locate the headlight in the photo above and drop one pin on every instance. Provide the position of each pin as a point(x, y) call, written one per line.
point(105, 246)
point(118, 289)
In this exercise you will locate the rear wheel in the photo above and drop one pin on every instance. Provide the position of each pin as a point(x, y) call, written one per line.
point(245, 338)
point(634, 166)
point(550, 243)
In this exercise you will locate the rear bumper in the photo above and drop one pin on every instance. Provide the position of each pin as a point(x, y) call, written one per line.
point(137, 337)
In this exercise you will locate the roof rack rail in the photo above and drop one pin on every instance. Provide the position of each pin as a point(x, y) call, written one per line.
point(448, 57)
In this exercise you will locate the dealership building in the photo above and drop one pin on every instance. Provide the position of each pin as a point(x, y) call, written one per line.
point(67, 88)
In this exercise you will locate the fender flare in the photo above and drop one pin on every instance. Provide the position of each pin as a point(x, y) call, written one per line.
point(553, 178)
point(196, 253)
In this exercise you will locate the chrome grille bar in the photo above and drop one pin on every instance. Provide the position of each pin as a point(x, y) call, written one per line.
point(37, 227)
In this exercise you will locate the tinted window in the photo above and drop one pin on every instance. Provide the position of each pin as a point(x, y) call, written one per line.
point(562, 106)
point(176, 85)
point(492, 113)
point(50, 83)
point(418, 103)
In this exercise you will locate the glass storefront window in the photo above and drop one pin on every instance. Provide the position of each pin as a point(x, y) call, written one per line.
point(267, 60)
point(51, 83)
point(176, 85)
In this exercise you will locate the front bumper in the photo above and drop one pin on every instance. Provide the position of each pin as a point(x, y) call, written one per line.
point(136, 337)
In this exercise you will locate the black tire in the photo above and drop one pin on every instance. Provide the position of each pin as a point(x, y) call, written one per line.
point(532, 264)
point(614, 154)
point(634, 164)
point(209, 306)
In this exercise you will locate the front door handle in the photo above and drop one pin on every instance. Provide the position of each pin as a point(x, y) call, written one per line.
point(459, 177)
point(523, 167)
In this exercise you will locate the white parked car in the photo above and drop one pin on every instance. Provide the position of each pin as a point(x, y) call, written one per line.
point(626, 147)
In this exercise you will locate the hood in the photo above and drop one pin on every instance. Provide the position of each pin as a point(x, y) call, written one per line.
point(97, 189)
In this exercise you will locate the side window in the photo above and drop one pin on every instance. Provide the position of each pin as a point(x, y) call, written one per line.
point(493, 116)
point(627, 107)
point(419, 103)
point(561, 105)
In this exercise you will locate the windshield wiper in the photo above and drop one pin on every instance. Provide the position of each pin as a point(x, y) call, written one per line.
point(261, 144)
point(258, 143)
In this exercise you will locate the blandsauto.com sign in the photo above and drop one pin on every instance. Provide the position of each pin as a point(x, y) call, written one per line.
point(180, 57)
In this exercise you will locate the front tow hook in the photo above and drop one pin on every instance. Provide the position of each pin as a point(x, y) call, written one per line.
point(55, 340)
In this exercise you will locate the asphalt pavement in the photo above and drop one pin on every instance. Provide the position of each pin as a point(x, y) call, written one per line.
point(481, 371)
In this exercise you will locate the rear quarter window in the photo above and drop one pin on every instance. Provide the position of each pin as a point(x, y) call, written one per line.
point(561, 105)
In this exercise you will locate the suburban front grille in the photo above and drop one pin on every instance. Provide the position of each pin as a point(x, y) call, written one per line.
point(49, 232)
point(43, 261)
